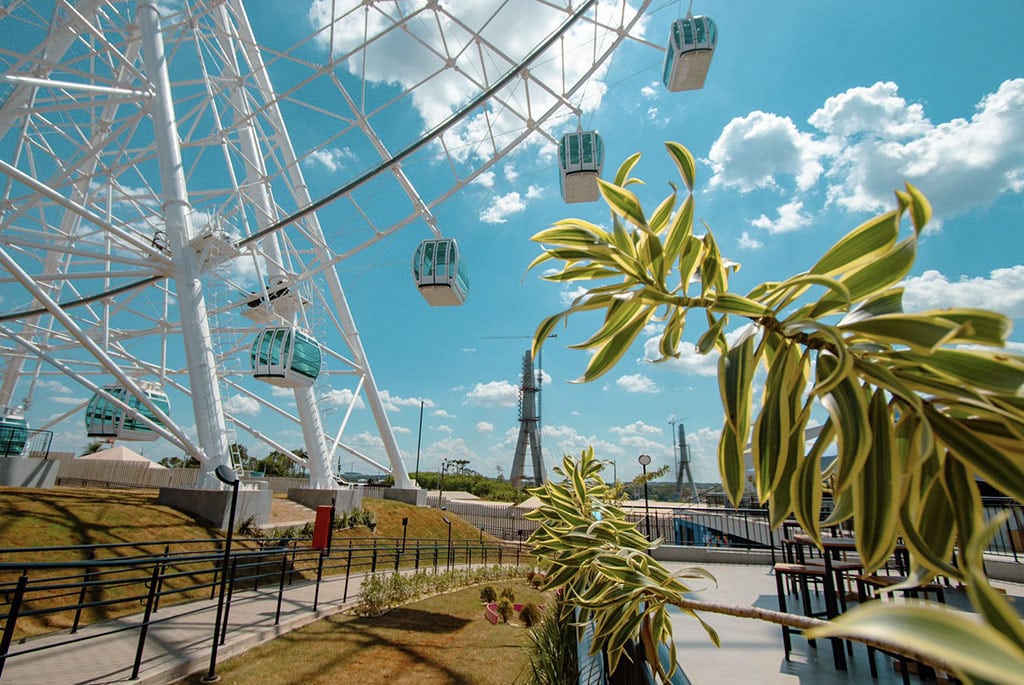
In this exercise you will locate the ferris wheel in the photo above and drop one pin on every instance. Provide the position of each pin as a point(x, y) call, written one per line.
point(164, 173)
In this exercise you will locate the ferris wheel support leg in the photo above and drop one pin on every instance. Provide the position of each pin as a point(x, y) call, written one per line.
point(211, 428)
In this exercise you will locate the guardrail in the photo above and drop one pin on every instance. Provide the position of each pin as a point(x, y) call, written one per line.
point(69, 593)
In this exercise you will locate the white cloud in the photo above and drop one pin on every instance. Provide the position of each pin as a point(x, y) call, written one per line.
point(242, 405)
point(494, 394)
point(510, 172)
point(567, 297)
point(501, 207)
point(753, 151)
point(1002, 291)
point(636, 428)
point(870, 140)
point(443, 429)
point(651, 91)
point(63, 399)
point(341, 397)
point(442, 413)
point(485, 179)
point(534, 192)
point(746, 242)
point(395, 404)
point(484, 426)
point(703, 450)
point(790, 219)
point(689, 361)
point(569, 441)
point(400, 429)
point(282, 392)
point(329, 158)
point(448, 448)
point(637, 382)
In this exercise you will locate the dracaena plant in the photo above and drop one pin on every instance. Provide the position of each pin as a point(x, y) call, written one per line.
point(915, 405)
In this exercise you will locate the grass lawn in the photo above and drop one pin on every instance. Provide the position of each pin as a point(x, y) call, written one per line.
point(435, 641)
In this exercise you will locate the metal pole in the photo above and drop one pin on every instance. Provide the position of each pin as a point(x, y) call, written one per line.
point(419, 440)
point(226, 475)
point(12, 619)
point(644, 461)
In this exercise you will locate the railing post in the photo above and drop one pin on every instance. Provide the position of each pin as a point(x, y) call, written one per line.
point(227, 601)
point(150, 600)
point(12, 619)
point(319, 575)
point(373, 562)
point(163, 572)
point(81, 594)
point(435, 557)
point(417, 555)
point(280, 586)
point(348, 571)
point(398, 557)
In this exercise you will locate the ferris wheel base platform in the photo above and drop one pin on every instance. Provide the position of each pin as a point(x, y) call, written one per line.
point(214, 506)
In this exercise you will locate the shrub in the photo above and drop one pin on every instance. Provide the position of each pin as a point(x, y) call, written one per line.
point(509, 594)
point(505, 609)
point(530, 615)
point(249, 528)
point(487, 594)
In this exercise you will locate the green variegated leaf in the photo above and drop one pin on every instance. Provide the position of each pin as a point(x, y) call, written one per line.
point(668, 345)
point(1003, 471)
point(684, 162)
point(619, 314)
point(680, 228)
point(964, 496)
point(873, 277)
point(920, 208)
point(836, 350)
point(929, 532)
point(848, 410)
point(880, 376)
point(977, 325)
point(730, 463)
point(622, 175)
point(861, 246)
point(735, 374)
point(711, 335)
point(623, 202)
point(887, 302)
point(992, 606)
point(993, 371)
point(920, 333)
point(616, 346)
point(875, 490)
point(806, 488)
point(933, 631)
point(571, 234)
point(783, 294)
point(581, 273)
point(660, 218)
point(774, 425)
point(728, 303)
point(690, 259)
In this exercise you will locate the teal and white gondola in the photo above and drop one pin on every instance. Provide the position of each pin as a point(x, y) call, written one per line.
point(13, 432)
point(691, 45)
point(580, 160)
point(104, 419)
point(440, 272)
point(286, 357)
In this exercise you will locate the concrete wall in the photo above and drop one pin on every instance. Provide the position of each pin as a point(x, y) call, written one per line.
point(214, 506)
point(345, 499)
point(414, 496)
point(31, 472)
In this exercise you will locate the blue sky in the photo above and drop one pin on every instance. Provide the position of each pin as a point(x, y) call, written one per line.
point(812, 113)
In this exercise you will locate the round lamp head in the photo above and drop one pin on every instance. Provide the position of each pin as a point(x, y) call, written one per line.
point(645, 459)
point(225, 474)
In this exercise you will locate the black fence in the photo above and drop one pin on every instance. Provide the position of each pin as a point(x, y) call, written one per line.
point(64, 595)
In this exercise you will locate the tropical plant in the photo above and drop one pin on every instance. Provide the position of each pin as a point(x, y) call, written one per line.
point(917, 405)
point(507, 593)
point(487, 594)
point(505, 609)
point(530, 614)
point(553, 656)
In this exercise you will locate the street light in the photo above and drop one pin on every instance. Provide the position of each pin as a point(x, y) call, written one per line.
point(448, 559)
point(615, 469)
point(225, 474)
point(440, 486)
point(644, 460)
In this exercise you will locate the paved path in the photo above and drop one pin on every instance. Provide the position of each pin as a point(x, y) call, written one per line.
point(179, 644)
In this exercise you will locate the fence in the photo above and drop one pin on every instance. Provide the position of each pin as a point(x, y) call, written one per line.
point(112, 473)
point(67, 593)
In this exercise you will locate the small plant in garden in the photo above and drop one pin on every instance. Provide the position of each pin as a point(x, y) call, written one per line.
point(505, 609)
point(530, 615)
point(509, 594)
point(249, 528)
point(487, 594)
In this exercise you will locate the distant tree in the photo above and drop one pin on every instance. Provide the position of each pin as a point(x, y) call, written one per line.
point(93, 447)
point(180, 462)
point(278, 464)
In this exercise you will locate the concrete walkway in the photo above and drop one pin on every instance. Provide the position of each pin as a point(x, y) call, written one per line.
point(178, 642)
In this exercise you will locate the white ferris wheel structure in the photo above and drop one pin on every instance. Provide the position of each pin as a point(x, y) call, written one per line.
point(155, 216)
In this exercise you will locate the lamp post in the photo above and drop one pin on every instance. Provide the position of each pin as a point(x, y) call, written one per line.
point(405, 529)
point(440, 485)
point(225, 474)
point(419, 439)
point(644, 460)
point(615, 469)
point(448, 559)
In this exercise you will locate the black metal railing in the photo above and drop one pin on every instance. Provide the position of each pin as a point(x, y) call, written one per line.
point(63, 595)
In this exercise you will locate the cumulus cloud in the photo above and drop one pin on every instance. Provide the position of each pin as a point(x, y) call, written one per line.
point(242, 405)
point(790, 218)
point(329, 158)
point(485, 179)
point(747, 242)
point(651, 91)
point(510, 172)
point(689, 360)
point(753, 151)
point(341, 397)
point(395, 403)
point(443, 428)
point(636, 428)
point(484, 426)
point(867, 141)
point(637, 382)
point(494, 394)
point(442, 413)
point(501, 207)
point(1003, 291)
point(703, 452)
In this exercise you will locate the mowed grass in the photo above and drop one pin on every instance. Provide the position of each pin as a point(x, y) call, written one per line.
point(435, 641)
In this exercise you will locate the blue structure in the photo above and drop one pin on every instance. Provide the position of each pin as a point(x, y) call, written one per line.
point(286, 357)
point(691, 45)
point(440, 273)
point(580, 160)
point(104, 419)
point(13, 432)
